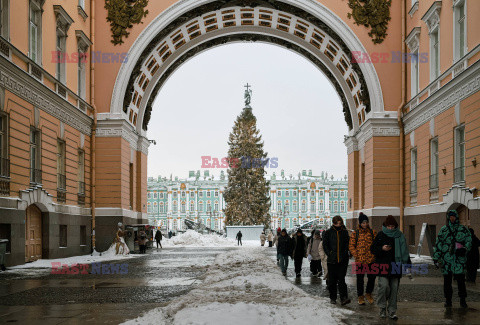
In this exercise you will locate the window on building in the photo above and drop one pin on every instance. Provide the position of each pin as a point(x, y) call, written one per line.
point(312, 206)
point(161, 195)
point(411, 235)
point(192, 206)
point(61, 177)
point(175, 194)
point(304, 193)
point(342, 193)
point(415, 74)
point(304, 206)
point(279, 206)
point(335, 193)
point(279, 193)
point(200, 193)
point(175, 206)
point(216, 206)
point(435, 55)
point(295, 206)
point(459, 151)
point(62, 236)
point(6, 233)
point(149, 195)
point(460, 35)
point(335, 206)
point(209, 206)
point(166, 207)
point(149, 207)
point(200, 206)
point(321, 206)
point(4, 18)
point(342, 206)
point(35, 31)
point(161, 208)
point(434, 163)
point(155, 195)
point(208, 194)
point(61, 51)
point(83, 235)
point(182, 207)
point(413, 171)
point(287, 193)
point(155, 207)
point(320, 193)
point(35, 157)
point(82, 73)
point(294, 193)
point(81, 172)
point(287, 206)
point(216, 193)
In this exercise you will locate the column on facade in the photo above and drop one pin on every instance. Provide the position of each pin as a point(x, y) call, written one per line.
point(327, 200)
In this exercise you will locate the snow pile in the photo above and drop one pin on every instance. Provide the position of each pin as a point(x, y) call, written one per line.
point(245, 286)
point(191, 238)
point(422, 259)
point(108, 255)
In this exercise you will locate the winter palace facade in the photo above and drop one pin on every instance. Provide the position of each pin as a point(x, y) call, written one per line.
point(294, 200)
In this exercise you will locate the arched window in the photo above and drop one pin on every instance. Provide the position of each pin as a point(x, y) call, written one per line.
point(335, 206)
point(209, 206)
point(295, 206)
point(175, 206)
point(342, 206)
point(200, 206)
point(312, 206)
point(161, 207)
point(155, 207)
point(182, 207)
point(279, 206)
point(304, 206)
point(287, 206)
point(321, 207)
point(216, 206)
point(149, 207)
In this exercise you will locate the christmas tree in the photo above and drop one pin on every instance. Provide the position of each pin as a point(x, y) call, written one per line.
point(247, 192)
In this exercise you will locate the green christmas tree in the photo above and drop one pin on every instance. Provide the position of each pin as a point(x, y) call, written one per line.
point(247, 192)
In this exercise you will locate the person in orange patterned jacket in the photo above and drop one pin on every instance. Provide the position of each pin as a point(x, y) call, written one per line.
point(360, 242)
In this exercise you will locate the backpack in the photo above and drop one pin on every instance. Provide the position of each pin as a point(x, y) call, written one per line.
point(357, 233)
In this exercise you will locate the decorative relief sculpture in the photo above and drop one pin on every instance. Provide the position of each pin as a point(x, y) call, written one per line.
point(374, 14)
point(122, 14)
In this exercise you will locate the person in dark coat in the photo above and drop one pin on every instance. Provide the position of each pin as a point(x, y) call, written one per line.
point(170, 234)
point(453, 243)
point(239, 238)
point(284, 250)
point(391, 252)
point(335, 245)
point(158, 238)
point(473, 258)
point(299, 252)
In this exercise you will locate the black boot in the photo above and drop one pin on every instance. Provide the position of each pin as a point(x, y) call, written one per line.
point(448, 303)
point(463, 303)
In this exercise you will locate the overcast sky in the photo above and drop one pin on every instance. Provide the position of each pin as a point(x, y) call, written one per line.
point(298, 112)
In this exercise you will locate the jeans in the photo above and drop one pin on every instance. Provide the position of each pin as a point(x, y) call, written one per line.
point(370, 282)
point(283, 262)
point(447, 285)
point(239, 242)
point(159, 243)
point(336, 276)
point(387, 292)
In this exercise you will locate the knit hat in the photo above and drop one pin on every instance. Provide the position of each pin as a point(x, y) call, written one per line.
point(390, 221)
point(337, 219)
point(361, 218)
point(284, 230)
point(299, 230)
point(317, 233)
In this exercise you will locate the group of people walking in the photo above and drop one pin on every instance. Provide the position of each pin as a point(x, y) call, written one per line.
point(384, 255)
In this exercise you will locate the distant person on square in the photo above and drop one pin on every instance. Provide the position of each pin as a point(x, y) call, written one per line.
point(239, 238)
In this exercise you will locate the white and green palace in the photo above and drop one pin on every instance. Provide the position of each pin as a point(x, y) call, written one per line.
point(294, 200)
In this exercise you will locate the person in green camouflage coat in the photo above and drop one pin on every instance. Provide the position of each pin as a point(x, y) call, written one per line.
point(450, 253)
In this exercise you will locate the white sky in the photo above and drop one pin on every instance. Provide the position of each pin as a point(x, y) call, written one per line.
point(298, 112)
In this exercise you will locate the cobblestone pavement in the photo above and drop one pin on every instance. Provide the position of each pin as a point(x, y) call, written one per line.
point(38, 297)
point(33, 296)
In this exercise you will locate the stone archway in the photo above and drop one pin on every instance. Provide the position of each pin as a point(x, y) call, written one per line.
point(190, 27)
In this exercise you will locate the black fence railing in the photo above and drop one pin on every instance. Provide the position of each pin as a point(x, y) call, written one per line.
point(35, 176)
point(434, 181)
point(459, 174)
point(413, 186)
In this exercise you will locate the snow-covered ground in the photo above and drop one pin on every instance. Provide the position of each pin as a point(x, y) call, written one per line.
point(108, 255)
point(422, 259)
point(244, 286)
point(191, 238)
